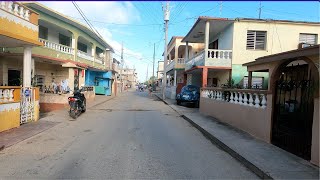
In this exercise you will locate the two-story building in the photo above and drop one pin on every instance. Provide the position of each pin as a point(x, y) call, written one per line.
point(229, 43)
point(19, 101)
point(177, 51)
point(160, 72)
point(72, 56)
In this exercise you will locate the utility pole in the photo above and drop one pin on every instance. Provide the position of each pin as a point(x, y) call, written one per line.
point(147, 73)
point(260, 10)
point(154, 56)
point(122, 63)
point(166, 20)
point(220, 9)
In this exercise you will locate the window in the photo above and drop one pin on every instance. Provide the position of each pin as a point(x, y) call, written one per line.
point(64, 40)
point(308, 38)
point(256, 40)
point(43, 32)
point(257, 82)
point(82, 47)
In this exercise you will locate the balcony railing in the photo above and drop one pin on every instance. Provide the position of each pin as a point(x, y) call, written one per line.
point(99, 60)
point(180, 60)
point(16, 9)
point(170, 65)
point(212, 57)
point(9, 94)
point(244, 97)
point(57, 46)
point(85, 55)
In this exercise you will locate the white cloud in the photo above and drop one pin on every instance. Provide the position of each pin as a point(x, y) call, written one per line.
point(109, 11)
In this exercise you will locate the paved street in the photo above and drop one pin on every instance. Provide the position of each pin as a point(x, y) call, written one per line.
point(130, 136)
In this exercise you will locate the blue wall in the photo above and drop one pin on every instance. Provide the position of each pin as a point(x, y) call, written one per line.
point(105, 84)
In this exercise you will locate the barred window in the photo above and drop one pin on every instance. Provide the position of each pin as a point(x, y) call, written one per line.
point(256, 40)
point(308, 38)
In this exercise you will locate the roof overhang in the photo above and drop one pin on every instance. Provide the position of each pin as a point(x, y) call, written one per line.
point(197, 32)
point(293, 54)
point(37, 6)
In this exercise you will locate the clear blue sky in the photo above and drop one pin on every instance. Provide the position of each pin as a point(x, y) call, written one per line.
point(139, 24)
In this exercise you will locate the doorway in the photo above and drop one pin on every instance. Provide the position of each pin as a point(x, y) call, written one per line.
point(14, 78)
point(293, 109)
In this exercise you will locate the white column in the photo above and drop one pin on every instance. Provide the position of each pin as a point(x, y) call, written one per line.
point(33, 68)
point(206, 39)
point(175, 78)
point(27, 66)
point(186, 56)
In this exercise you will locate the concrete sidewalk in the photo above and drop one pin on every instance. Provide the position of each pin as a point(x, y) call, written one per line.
point(46, 121)
point(265, 160)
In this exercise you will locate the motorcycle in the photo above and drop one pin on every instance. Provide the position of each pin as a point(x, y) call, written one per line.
point(77, 104)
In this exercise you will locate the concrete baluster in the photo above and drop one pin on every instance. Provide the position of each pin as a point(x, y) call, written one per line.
point(10, 3)
point(3, 4)
point(16, 9)
point(11, 94)
point(240, 98)
point(250, 99)
point(27, 15)
point(236, 98)
point(231, 97)
point(1, 97)
point(245, 99)
point(21, 11)
point(256, 101)
point(264, 101)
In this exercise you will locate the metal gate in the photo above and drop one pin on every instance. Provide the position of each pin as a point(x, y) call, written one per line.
point(27, 105)
point(293, 111)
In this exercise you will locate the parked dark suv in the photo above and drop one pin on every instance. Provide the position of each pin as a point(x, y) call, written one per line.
point(190, 94)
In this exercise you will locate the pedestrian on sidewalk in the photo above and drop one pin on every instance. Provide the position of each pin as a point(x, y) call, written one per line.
point(150, 89)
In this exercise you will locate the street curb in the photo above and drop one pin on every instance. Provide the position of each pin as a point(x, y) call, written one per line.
point(224, 147)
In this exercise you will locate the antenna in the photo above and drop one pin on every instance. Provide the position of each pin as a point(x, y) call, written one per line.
point(260, 7)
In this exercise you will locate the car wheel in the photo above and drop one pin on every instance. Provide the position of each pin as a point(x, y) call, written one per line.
point(178, 102)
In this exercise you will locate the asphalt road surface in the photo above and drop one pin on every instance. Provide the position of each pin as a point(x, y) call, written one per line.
point(131, 136)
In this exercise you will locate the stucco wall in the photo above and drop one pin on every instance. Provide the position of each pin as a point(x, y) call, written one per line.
point(222, 76)
point(51, 72)
point(280, 37)
point(225, 38)
point(255, 121)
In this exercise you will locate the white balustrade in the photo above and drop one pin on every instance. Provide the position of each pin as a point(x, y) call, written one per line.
point(180, 60)
point(219, 54)
point(256, 100)
point(6, 95)
point(16, 8)
point(56, 46)
point(1, 96)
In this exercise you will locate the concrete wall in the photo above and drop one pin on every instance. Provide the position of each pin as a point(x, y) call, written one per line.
point(222, 76)
point(255, 121)
point(52, 72)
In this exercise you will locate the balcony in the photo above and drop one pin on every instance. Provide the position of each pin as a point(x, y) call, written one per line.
point(84, 55)
point(56, 46)
point(212, 57)
point(18, 24)
point(99, 60)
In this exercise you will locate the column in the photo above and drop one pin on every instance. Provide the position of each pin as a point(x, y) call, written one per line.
point(186, 56)
point(175, 78)
point(27, 66)
point(204, 77)
point(93, 53)
point(33, 68)
point(4, 73)
point(75, 46)
point(249, 79)
point(206, 39)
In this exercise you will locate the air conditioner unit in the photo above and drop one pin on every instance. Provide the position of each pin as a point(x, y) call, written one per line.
point(304, 45)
